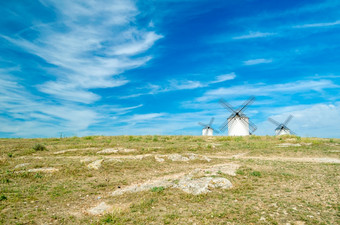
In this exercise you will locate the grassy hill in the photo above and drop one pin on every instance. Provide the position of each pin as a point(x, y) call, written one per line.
point(139, 180)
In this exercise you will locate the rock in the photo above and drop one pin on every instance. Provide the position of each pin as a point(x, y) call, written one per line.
point(186, 182)
point(229, 169)
point(86, 159)
point(108, 150)
point(262, 218)
point(205, 158)
point(191, 156)
point(299, 223)
point(45, 170)
point(177, 157)
point(159, 159)
point(21, 165)
point(143, 187)
point(99, 209)
point(96, 164)
point(283, 145)
point(202, 185)
point(115, 150)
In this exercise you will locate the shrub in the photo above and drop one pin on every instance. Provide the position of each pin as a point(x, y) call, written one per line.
point(39, 147)
point(157, 189)
point(255, 173)
point(3, 197)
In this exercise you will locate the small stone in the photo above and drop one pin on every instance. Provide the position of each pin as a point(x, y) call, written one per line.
point(159, 159)
point(96, 164)
point(21, 165)
point(45, 170)
point(99, 209)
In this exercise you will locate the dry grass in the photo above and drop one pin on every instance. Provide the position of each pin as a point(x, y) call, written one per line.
point(264, 191)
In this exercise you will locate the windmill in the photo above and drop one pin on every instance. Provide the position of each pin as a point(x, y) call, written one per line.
point(207, 128)
point(282, 128)
point(238, 123)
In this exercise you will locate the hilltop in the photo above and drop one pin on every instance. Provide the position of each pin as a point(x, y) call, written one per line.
point(170, 180)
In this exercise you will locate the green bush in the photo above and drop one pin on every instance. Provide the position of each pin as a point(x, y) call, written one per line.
point(157, 189)
point(255, 173)
point(3, 197)
point(39, 147)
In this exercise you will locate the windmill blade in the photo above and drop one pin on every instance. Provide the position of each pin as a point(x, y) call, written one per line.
point(215, 130)
point(211, 121)
point(251, 125)
point(244, 122)
point(246, 104)
point(202, 124)
point(223, 127)
point(292, 132)
point(227, 105)
point(287, 120)
point(274, 121)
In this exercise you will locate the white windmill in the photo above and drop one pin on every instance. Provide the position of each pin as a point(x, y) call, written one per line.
point(238, 123)
point(282, 128)
point(208, 130)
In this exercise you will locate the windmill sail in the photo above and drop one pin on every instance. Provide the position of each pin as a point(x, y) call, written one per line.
point(238, 123)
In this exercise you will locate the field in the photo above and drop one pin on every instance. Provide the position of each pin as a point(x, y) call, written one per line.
point(170, 180)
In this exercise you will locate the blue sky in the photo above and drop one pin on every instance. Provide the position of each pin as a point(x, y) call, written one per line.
point(126, 67)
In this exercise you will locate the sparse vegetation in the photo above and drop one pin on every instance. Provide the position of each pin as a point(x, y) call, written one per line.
point(39, 147)
point(157, 189)
point(270, 186)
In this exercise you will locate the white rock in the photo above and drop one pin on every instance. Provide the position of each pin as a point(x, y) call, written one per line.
point(202, 185)
point(229, 169)
point(108, 150)
point(116, 150)
point(21, 165)
point(284, 145)
point(143, 187)
point(96, 164)
point(177, 157)
point(159, 159)
point(99, 209)
point(45, 170)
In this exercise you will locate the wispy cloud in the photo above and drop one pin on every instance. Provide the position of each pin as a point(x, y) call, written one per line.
point(318, 24)
point(177, 85)
point(224, 77)
point(309, 120)
point(256, 34)
point(256, 61)
point(96, 43)
point(88, 46)
point(266, 90)
point(184, 85)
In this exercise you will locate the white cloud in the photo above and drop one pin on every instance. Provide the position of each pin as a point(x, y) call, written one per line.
point(318, 120)
point(176, 85)
point(224, 77)
point(256, 61)
point(185, 85)
point(96, 43)
point(254, 35)
point(318, 24)
point(266, 90)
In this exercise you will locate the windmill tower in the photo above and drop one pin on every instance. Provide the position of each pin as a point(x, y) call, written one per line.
point(282, 128)
point(208, 130)
point(238, 123)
